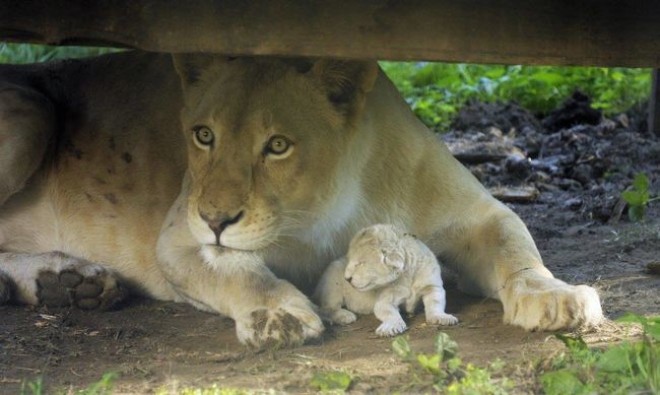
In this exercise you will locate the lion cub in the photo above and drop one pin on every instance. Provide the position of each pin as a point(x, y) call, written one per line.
point(384, 268)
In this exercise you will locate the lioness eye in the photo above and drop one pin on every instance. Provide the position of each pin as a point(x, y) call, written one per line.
point(278, 145)
point(203, 136)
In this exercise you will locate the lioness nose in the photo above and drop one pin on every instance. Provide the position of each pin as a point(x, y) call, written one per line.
point(349, 278)
point(219, 224)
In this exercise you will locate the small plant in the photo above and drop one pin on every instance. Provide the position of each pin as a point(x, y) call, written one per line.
point(331, 381)
point(638, 197)
point(621, 369)
point(101, 387)
point(449, 374)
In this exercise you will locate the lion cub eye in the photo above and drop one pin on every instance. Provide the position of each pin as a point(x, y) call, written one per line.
point(278, 146)
point(203, 137)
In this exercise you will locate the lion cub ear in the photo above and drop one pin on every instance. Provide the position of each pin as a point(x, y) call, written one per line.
point(191, 66)
point(395, 260)
point(346, 82)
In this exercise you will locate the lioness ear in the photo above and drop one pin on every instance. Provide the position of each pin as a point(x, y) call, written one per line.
point(346, 82)
point(190, 67)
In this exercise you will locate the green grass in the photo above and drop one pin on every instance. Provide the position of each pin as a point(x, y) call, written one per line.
point(618, 369)
point(436, 91)
point(626, 368)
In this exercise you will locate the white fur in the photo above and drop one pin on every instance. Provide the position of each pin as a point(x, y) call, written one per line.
point(384, 269)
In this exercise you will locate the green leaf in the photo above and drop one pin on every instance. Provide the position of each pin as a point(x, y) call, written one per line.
point(401, 347)
point(572, 343)
point(332, 380)
point(633, 318)
point(431, 363)
point(633, 198)
point(641, 182)
point(636, 213)
point(562, 382)
point(615, 359)
point(445, 346)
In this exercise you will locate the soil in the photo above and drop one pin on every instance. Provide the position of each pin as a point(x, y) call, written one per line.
point(578, 163)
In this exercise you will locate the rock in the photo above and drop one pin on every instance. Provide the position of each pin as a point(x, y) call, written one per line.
point(653, 268)
point(472, 153)
point(572, 203)
point(515, 194)
point(518, 166)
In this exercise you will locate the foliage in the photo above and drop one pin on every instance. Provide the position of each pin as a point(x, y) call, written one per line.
point(331, 381)
point(449, 374)
point(213, 390)
point(31, 53)
point(638, 197)
point(621, 369)
point(436, 91)
point(101, 387)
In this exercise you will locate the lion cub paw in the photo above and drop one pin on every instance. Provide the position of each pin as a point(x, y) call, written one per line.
point(79, 283)
point(342, 317)
point(283, 326)
point(551, 304)
point(391, 327)
point(442, 319)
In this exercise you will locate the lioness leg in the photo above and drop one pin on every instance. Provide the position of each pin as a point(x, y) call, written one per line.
point(5, 288)
point(267, 310)
point(57, 279)
point(27, 122)
point(497, 257)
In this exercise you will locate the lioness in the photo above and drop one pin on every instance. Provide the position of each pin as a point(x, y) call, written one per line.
point(223, 182)
point(385, 268)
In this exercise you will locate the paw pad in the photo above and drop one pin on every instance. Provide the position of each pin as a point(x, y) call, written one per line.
point(96, 290)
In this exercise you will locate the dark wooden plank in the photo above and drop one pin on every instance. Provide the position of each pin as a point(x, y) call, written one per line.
point(654, 104)
point(561, 32)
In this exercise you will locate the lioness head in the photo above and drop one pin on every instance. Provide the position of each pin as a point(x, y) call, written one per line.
point(375, 258)
point(268, 142)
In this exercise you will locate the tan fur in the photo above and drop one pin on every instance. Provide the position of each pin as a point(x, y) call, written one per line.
point(108, 188)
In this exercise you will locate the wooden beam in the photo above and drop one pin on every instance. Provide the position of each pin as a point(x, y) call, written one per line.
point(559, 32)
point(654, 104)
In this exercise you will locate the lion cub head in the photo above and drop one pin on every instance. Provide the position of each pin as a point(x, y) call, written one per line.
point(376, 257)
point(269, 146)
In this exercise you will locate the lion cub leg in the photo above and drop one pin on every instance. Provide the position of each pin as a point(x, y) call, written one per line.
point(386, 310)
point(56, 279)
point(435, 301)
point(27, 121)
point(330, 296)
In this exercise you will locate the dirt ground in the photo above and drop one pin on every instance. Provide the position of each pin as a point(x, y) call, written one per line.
point(577, 168)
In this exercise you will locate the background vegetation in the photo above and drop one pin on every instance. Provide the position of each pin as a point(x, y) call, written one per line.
point(436, 91)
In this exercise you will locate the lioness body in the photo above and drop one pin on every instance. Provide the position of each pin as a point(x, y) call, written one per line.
point(286, 160)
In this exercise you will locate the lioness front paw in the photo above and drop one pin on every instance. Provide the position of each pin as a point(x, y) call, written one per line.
point(538, 303)
point(391, 327)
point(79, 283)
point(442, 319)
point(282, 326)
